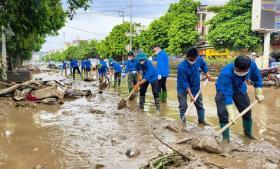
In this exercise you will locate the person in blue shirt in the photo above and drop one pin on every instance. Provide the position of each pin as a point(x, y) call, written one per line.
point(232, 89)
point(83, 66)
point(102, 71)
point(87, 65)
point(74, 64)
point(64, 68)
point(146, 70)
point(163, 71)
point(188, 83)
point(130, 70)
point(117, 71)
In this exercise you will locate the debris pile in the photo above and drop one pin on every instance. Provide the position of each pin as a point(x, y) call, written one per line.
point(46, 92)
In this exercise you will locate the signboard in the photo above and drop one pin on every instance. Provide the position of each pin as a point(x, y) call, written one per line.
point(266, 15)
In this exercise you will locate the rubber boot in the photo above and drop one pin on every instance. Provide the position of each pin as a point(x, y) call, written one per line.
point(164, 97)
point(201, 118)
point(247, 126)
point(160, 96)
point(130, 89)
point(157, 104)
point(141, 102)
point(226, 136)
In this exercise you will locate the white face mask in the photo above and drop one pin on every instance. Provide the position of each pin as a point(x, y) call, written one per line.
point(191, 62)
point(130, 58)
point(142, 62)
point(241, 74)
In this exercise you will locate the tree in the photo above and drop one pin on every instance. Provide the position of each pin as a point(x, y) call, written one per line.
point(32, 21)
point(231, 27)
point(176, 30)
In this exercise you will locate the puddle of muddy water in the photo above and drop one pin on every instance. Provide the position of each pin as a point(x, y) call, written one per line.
point(71, 136)
point(266, 115)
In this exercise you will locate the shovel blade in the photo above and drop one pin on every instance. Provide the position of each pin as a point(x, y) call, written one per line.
point(122, 104)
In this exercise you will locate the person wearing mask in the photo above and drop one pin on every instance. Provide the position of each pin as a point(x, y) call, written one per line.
point(74, 64)
point(130, 70)
point(188, 84)
point(117, 71)
point(232, 89)
point(146, 70)
point(163, 71)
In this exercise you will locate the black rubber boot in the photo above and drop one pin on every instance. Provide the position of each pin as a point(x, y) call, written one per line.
point(157, 104)
point(141, 102)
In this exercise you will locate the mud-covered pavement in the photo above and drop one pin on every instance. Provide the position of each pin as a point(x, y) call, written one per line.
point(90, 132)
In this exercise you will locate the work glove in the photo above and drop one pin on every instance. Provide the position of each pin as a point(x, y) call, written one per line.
point(133, 72)
point(231, 113)
point(258, 94)
point(159, 77)
point(123, 75)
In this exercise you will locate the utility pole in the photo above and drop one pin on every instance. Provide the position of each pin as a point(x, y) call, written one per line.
point(121, 14)
point(130, 42)
point(4, 54)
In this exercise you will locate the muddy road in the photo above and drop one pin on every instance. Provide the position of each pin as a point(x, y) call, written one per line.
point(89, 132)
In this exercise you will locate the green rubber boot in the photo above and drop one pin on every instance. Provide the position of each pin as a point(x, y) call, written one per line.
point(164, 97)
point(160, 96)
point(130, 89)
point(247, 126)
point(226, 136)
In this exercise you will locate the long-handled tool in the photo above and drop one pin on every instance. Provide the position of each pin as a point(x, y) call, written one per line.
point(103, 86)
point(209, 143)
point(237, 118)
point(192, 103)
point(122, 103)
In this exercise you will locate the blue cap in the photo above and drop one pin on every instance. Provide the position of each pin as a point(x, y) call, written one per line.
point(141, 56)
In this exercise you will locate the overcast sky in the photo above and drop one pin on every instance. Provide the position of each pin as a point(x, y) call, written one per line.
point(98, 21)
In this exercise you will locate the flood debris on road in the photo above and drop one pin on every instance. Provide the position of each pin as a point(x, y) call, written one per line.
point(49, 92)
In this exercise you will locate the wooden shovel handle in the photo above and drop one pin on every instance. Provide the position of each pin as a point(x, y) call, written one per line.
point(195, 98)
point(132, 92)
point(237, 118)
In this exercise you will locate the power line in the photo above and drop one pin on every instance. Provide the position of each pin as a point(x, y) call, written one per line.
point(83, 30)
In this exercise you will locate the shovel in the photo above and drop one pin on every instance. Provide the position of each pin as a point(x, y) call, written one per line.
point(210, 143)
point(192, 103)
point(131, 96)
point(103, 86)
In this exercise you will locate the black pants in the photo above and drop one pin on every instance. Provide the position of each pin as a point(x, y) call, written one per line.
point(242, 101)
point(74, 71)
point(162, 84)
point(118, 76)
point(144, 87)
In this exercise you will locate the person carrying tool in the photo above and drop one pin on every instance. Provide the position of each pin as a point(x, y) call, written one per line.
point(130, 70)
point(102, 71)
point(75, 66)
point(188, 83)
point(146, 70)
point(117, 71)
point(163, 71)
point(231, 88)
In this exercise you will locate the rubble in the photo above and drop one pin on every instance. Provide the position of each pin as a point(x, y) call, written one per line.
point(47, 92)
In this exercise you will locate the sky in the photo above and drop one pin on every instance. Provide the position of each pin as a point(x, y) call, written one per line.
point(103, 15)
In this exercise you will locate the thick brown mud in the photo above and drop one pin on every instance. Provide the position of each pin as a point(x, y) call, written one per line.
point(88, 132)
